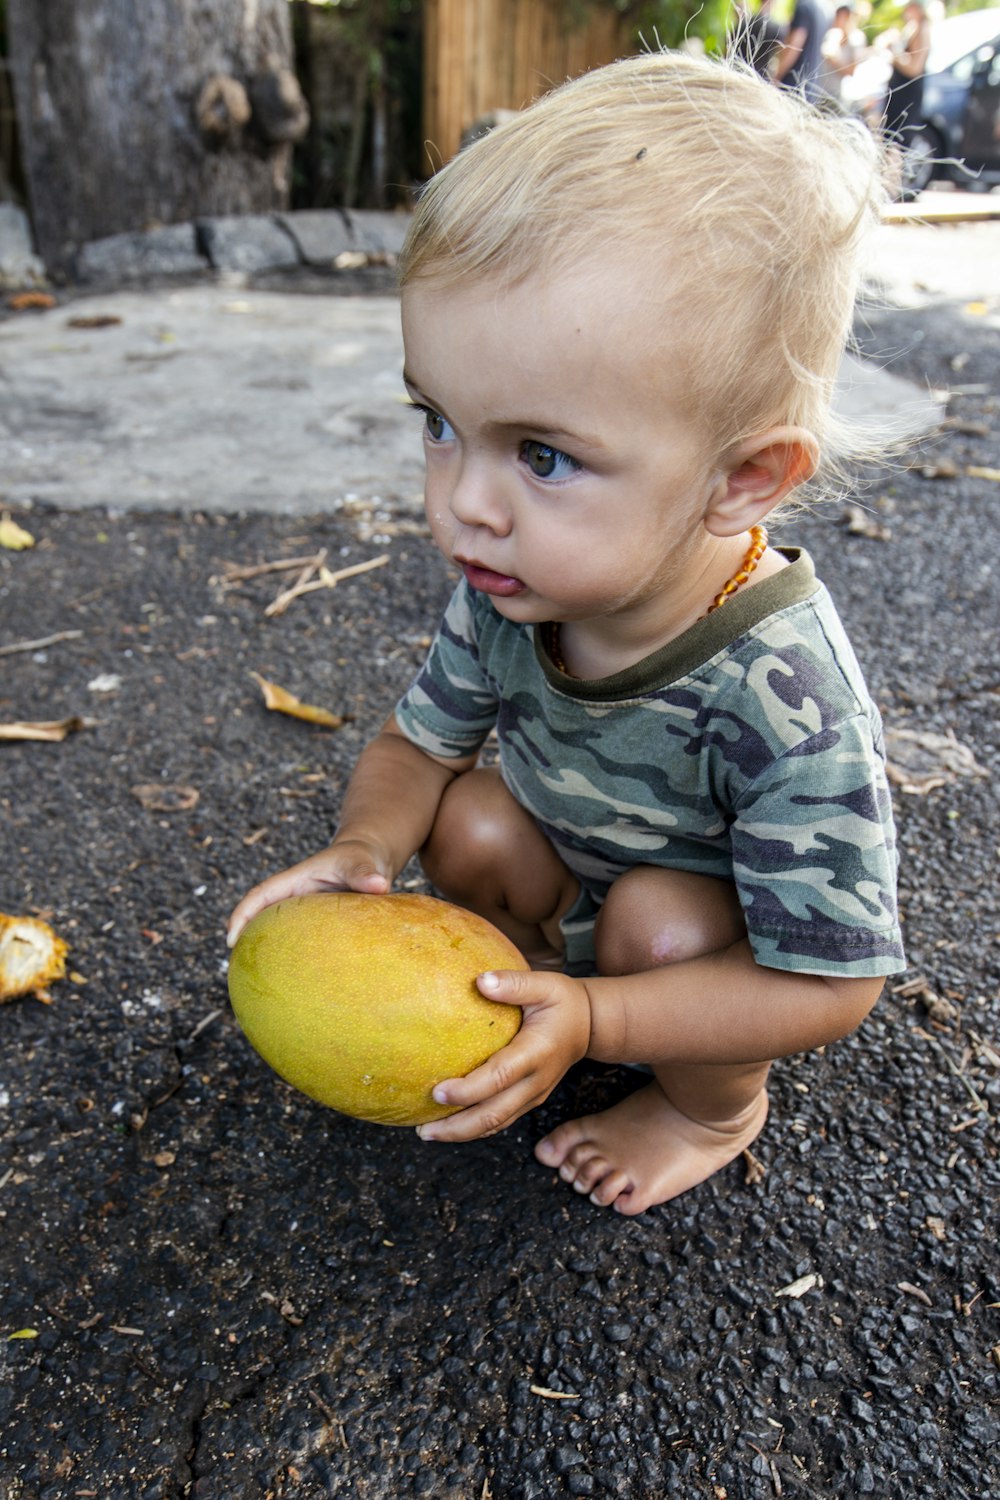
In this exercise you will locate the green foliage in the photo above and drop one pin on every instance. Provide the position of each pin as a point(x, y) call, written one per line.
point(669, 23)
point(663, 23)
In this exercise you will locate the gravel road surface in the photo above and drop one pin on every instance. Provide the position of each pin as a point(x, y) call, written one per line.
point(211, 1287)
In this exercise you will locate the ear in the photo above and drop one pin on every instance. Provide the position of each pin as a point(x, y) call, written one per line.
point(757, 475)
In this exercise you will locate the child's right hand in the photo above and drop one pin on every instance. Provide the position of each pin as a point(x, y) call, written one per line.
point(348, 865)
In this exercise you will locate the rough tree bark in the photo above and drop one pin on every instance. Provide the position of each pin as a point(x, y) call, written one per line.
point(137, 114)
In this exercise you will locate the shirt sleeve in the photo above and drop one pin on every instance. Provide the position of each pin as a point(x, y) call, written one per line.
point(814, 855)
point(451, 705)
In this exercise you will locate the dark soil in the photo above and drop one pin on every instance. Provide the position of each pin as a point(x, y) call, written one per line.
point(236, 1293)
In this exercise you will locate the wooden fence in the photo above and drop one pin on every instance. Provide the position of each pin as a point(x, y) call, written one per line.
point(481, 55)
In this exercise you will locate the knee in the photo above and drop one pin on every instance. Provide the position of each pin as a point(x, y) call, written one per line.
point(471, 830)
point(653, 917)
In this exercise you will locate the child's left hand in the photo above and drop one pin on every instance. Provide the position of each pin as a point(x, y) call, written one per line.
point(554, 1034)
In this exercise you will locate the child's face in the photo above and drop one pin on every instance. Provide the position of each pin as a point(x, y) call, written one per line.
point(561, 474)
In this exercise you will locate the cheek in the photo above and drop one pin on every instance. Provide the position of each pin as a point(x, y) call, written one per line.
point(439, 517)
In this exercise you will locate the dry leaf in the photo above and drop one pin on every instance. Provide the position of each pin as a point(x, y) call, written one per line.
point(861, 522)
point(155, 797)
point(95, 320)
point(26, 301)
point(31, 956)
point(799, 1288)
point(965, 426)
point(943, 469)
point(985, 1050)
point(13, 536)
point(755, 1170)
point(945, 1012)
point(283, 702)
point(918, 763)
point(45, 729)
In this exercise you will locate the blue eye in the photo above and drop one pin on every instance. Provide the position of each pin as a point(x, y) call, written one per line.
point(436, 427)
point(548, 463)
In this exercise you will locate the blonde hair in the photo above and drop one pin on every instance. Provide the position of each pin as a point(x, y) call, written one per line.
point(743, 208)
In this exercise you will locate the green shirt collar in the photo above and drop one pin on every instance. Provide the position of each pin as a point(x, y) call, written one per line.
point(698, 644)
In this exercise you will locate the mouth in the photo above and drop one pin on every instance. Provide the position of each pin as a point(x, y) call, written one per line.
point(501, 585)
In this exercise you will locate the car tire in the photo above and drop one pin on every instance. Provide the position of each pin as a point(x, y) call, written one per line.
point(922, 154)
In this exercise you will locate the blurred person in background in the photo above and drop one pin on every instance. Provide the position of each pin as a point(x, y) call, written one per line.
point(909, 50)
point(844, 46)
point(801, 57)
point(756, 38)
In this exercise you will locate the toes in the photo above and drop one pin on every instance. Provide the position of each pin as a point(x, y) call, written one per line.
point(553, 1150)
point(586, 1170)
point(612, 1186)
point(629, 1203)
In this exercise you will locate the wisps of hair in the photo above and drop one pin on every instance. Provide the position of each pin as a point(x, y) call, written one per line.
point(745, 210)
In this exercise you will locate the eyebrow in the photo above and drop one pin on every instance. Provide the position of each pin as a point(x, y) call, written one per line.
point(553, 430)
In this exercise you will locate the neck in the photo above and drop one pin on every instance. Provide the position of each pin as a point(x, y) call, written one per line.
point(591, 649)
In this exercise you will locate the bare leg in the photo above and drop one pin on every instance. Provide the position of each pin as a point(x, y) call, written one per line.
point(487, 854)
point(694, 1119)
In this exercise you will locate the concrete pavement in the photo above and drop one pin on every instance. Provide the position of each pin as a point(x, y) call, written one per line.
point(220, 395)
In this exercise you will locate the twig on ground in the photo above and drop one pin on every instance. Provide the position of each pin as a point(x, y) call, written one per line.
point(239, 573)
point(46, 640)
point(326, 580)
point(977, 1100)
point(202, 1025)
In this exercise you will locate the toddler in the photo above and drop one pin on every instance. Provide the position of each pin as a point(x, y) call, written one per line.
point(623, 316)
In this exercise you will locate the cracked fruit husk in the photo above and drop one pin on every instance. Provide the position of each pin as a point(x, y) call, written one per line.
point(366, 1002)
point(31, 956)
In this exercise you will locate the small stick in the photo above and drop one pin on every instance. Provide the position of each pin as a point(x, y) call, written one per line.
point(202, 1024)
point(47, 640)
point(978, 1102)
point(239, 573)
point(326, 580)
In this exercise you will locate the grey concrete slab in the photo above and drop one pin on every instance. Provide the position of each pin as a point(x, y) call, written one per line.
point(883, 404)
point(223, 397)
point(210, 398)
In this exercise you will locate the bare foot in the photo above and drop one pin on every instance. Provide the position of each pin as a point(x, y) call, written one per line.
point(644, 1151)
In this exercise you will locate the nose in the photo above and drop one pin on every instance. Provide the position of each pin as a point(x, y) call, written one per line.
point(476, 498)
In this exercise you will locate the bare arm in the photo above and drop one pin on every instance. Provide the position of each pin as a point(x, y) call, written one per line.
point(388, 812)
point(912, 61)
point(720, 1008)
point(790, 52)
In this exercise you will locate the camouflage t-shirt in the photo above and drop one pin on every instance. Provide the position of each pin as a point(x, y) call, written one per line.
point(748, 749)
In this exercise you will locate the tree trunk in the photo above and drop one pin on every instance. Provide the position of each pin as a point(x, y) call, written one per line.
point(152, 113)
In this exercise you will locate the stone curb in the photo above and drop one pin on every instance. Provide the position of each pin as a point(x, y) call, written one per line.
point(242, 243)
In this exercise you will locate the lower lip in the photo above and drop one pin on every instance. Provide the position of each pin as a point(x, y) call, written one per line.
point(488, 582)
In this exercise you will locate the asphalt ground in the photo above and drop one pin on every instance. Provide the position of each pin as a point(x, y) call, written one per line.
point(213, 1287)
